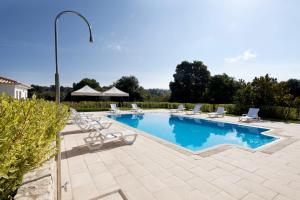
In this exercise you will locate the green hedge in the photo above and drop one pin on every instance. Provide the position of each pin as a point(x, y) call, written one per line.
point(105, 105)
point(27, 138)
point(273, 112)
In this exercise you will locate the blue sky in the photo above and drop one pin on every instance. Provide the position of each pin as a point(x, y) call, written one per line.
point(148, 38)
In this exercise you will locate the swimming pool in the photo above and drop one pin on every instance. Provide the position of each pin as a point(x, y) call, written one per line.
point(195, 134)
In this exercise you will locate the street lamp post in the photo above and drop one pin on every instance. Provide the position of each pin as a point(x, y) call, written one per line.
point(57, 93)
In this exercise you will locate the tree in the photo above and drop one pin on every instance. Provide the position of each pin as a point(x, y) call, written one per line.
point(130, 84)
point(263, 89)
point(190, 82)
point(48, 93)
point(86, 81)
point(161, 95)
point(244, 96)
point(281, 91)
point(297, 105)
point(294, 87)
point(221, 89)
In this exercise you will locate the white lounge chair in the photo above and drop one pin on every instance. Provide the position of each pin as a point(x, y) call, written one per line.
point(251, 115)
point(85, 123)
point(76, 115)
point(219, 112)
point(196, 110)
point(97, 137)
point(136, 109)
point(84, 120)
point(180, 108)
point(114, 109)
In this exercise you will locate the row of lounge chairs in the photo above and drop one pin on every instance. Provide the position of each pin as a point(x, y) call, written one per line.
point(100, 131)
point(252, 114)
point(134, 108)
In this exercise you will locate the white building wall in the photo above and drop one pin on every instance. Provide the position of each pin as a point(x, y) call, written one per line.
point(20, 93)
point(14, 91)
point(8, 89)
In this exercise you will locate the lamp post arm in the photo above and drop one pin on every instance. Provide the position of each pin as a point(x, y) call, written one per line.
point(57, 86)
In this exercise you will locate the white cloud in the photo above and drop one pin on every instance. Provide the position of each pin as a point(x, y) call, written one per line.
point(115, 47)
point(245, 56)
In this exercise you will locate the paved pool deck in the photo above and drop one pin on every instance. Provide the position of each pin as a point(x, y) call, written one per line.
point(150, 169)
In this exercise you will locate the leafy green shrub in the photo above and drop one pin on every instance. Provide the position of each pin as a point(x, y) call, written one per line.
point(278, 112)
point(27, 138)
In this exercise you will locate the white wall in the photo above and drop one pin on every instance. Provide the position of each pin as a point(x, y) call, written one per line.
point(20, 93)
point(8, 89)
point(15, 91)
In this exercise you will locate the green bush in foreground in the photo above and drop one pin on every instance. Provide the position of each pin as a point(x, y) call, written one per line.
point(27, 138)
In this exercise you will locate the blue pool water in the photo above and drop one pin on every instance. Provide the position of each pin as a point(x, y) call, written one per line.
point(195, 134)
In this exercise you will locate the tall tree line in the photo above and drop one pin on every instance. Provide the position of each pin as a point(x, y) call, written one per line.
point(194, 83)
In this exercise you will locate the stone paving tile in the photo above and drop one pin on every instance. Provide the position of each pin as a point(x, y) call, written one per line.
point(161, 173)
point(207, 189)
point(206, 175)
point(252, 196)
point(195, 195)
point(152, 183)
point(257, 189)
point(247, 175)
point(294, 185)
point(84, 192)
point(205, 164)
point(117, 170)
point(126, 160)
point(91, 158)
point(81, 179)
point(281, 197)
point(181, 173)
point(76, 165)
point(220, 173)
point(104, 181)
point(166, 194)
point(137, 170)
point(230, 188)
point(285, 172)
point(108, 158)
point(178, 186)
point(139, 193)
point(115, 196)
point(97, 168)
point(128, 182)
point(184, 164)
point(244, 164)
point(223, 196)
point(269, 173)
point(166, 163)
point(223, 165)
point(282, 189)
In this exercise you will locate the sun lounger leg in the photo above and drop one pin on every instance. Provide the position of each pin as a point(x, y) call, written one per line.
point(94, 143)
point(131, 141)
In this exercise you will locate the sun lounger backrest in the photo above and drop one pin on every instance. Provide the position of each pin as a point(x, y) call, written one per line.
point(181, 107)
point(220, 110)
point(253, 112)
point(134, 106)
point(113, 106)
point(197, 107)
